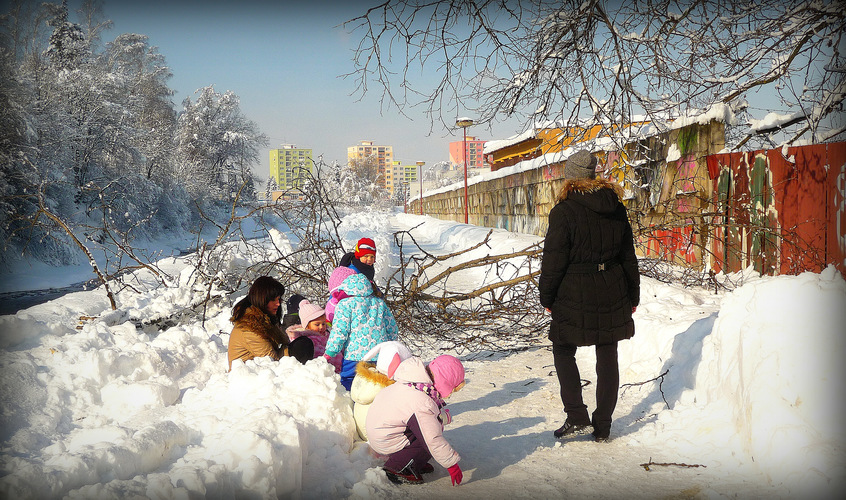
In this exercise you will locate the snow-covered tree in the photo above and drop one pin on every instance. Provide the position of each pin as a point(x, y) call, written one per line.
point(607, 62)
point(357, 183)
point(68, 46)
point(140, 75)
point(216, 145)
point(441, 174)
point(87, 136)
point(270, 187)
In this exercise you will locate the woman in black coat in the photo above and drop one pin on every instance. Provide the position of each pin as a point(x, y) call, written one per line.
point(590, 283)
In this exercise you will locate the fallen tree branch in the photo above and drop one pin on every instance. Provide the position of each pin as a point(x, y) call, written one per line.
point(660, 385)
point(668, 464)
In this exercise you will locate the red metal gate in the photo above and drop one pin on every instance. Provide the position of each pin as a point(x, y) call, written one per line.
point(781, 214)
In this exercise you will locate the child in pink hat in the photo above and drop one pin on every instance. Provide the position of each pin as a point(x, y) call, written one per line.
point(313, 325)
point(406, 419)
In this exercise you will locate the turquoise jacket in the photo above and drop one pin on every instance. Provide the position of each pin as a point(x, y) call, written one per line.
point(361, 321)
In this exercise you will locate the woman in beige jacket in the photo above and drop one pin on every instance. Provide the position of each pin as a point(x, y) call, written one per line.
point(258, 327)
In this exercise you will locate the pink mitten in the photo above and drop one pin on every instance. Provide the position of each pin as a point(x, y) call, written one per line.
point(455, 474)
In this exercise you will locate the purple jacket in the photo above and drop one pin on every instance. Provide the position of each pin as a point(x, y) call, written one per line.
point(394, 406)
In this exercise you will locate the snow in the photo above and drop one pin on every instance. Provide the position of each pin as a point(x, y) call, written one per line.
point(773, 120)
point(742, 390)
point(673, 153)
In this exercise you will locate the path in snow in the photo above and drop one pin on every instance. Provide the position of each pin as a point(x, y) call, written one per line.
point(504, 418)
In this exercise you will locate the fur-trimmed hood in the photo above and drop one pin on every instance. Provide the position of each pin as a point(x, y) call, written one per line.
point(599, 195)
point(257, 321)
point(367, 371)
point(585, 186)
point(367, 383)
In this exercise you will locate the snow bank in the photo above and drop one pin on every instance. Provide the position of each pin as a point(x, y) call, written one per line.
point(775, 360)
point(753, 379)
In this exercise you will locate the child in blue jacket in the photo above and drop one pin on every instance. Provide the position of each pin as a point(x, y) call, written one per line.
point(361, 321)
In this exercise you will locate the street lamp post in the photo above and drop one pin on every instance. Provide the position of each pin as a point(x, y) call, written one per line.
point(464, 123)
point(420, 176)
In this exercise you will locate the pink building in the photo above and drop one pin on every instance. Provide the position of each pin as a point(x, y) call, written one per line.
point(475, 153)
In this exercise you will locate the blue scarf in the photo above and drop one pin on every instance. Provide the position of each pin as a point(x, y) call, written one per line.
point(429, 390)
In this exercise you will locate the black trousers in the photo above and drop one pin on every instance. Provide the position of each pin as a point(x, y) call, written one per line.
point(607, 386)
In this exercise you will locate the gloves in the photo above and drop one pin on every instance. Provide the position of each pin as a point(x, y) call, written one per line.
point(455, 474)
point(445, 417)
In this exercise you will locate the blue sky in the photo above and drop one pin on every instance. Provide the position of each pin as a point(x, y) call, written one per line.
point(284, 60)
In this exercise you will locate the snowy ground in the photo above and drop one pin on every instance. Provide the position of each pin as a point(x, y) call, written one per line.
point(751, 404)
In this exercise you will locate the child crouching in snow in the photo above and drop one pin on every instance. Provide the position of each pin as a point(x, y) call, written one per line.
point(371, 378)
point(313, 325)
point(406, 419)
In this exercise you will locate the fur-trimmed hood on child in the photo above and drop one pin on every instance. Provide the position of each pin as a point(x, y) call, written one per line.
point(368, 382)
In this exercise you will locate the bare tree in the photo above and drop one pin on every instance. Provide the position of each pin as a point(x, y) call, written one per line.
point(366, 168)
point(434, 306)
point(607, 62)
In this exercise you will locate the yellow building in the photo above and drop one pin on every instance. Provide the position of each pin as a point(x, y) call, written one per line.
point(384, 160)
point(409, 173)
point(290, 166)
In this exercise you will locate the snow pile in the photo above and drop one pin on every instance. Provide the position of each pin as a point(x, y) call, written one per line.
point(748, 384)
point(778, 372)
point(756, 384)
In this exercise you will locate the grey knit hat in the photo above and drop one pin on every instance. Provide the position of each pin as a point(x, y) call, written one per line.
point(581, 165)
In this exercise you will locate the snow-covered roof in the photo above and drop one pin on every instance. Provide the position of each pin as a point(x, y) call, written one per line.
point(640, 126)
point(491, 146)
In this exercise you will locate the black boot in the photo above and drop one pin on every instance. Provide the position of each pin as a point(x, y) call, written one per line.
point(406, 475)
point(569, 429)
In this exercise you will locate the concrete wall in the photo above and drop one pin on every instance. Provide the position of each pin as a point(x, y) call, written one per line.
point(691, 204)
point(521, 201)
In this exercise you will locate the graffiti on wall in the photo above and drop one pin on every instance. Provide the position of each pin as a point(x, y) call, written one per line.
point(780, 214)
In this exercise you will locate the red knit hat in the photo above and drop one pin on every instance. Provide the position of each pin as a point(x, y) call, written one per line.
point(363, 247)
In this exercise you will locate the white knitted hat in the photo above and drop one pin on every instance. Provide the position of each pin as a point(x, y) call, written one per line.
point(390, 355)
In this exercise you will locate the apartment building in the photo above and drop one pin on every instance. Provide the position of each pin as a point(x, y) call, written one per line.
point(385, 161)
point(475, 153)
point(290, 166)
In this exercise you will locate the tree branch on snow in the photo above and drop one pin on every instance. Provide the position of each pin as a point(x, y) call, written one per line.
point(649, 464)
point(660, 385)
point(498, 313)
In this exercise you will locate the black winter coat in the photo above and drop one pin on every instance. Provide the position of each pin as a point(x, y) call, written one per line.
point(587, 227)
